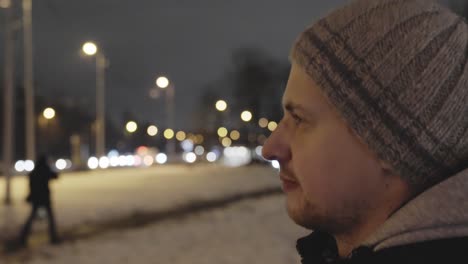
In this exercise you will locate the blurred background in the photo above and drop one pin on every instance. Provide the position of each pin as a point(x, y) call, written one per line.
point(154, 114)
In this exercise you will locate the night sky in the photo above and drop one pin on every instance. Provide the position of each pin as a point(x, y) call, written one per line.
point(189, 41)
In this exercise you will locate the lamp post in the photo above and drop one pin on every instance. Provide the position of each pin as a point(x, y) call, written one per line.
point(29, 81)
point(91, 49)
point(8, 100)
point(164, 83)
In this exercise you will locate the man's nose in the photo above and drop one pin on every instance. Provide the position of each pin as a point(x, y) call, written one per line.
point(276, 147)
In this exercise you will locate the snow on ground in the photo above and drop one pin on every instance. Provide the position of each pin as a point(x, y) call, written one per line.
point(96, 196)
point(250, 231)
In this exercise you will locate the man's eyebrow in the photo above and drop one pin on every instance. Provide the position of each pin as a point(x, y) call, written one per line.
point(294, 108)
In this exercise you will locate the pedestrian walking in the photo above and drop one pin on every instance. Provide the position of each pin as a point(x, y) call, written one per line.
point(39, 198)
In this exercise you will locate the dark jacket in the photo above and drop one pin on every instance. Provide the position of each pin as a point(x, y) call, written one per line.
point(39, 183)
point(431, 228)
point(316, 249)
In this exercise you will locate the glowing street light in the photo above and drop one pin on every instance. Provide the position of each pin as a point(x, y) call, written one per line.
point(221, 105)
point(162, 82)
point(89, 48)
point(246, 116)
point(48, 113)
point(235, 135)
point(131, 126)
point(152, 130)
point(272, 126)
point(263, 122)
point(180, 135)
point(222, 132)
point(226, 142)
point(168, 133)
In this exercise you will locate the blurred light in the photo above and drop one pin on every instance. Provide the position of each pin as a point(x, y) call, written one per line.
point(246, 116)
point(148, 160)
point(29, 165)
point(190, 157)
point(199, 150)
point(222, 132)
point(236, 156)
point(263, 122)
point(258, 151)
point(93, 163)
point(19, 166)
point(272, 126)
point(89, 48)
point(226, 142)
point(113, 153)
point(168, 133)
point(161, 158)
point(137, 161)
point(114, 161)
point(5, 3)
point(211, 157)
point(131, 126)
point(68, 164)
point(122, 161)
point(275, 164)
point(130, 160)
point(221, 105)
point(235, 135)
point(142, 150)
point(180, 135)
point(162, 82)
point(152, 131)
point(48, 113)
point(104, 162)
point(187, 145)
point(199, 139)
point(61, 164)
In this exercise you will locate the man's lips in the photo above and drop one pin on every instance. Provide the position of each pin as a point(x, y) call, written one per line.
point(289, 183)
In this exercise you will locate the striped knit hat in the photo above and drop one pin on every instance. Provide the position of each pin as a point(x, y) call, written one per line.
point(397, 72)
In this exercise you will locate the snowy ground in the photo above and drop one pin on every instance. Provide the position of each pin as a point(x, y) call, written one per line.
point(250, 231)
point(96, 196)
point(253, 231)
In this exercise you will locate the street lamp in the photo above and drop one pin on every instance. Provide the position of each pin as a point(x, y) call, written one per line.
point(221, 105)
point(131, 127)
point(246, 116)
point(163, 83)
point(90, 49)
point(48, 113)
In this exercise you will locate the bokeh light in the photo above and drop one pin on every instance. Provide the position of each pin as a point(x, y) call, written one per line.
point(246, 116)
point(131, 126)
point(168, 133)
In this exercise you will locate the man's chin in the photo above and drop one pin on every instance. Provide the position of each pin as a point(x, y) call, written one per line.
point(301, 214)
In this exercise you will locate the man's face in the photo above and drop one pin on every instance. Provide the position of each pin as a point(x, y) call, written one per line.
point(331, 180)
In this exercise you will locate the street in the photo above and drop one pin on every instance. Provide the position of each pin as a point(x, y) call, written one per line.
point(248, 204)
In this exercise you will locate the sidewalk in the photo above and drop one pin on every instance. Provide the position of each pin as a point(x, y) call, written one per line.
point(102, 197)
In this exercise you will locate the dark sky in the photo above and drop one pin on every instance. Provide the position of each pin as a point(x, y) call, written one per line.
point(189, 41)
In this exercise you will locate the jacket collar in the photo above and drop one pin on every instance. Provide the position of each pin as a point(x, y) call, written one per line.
point(439, 212)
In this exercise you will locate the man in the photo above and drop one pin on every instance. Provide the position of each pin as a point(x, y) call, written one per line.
point(373, 144)
point(39, 197)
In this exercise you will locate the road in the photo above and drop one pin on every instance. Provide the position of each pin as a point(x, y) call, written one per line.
point(99, 196)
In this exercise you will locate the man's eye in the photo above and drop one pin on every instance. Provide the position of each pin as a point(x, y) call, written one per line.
point(296, 118)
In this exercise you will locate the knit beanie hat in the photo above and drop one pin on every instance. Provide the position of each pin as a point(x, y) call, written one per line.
point(396, 70)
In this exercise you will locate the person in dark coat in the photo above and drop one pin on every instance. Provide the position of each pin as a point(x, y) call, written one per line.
point(373, 144)
point(39, 198)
